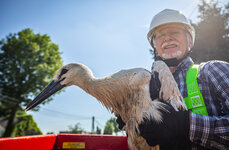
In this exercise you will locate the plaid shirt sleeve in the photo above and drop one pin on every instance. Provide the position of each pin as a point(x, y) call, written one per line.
point(213, 131)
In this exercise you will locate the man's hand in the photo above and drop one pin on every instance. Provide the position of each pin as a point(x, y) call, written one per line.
point(171, 133)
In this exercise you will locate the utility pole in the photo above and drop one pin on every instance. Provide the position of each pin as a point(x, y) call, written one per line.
point(93, 124)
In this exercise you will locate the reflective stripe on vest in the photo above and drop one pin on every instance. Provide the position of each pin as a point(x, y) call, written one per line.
point(195, 100)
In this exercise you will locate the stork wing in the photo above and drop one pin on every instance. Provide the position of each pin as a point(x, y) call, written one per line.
point(169, 89)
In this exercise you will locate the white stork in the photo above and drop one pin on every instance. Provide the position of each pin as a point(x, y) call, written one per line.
point(125, 93)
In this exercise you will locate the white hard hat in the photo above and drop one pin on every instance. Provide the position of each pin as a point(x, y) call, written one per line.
point(169, 16)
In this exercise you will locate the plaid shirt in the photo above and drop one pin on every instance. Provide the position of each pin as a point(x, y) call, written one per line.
point(212, 131)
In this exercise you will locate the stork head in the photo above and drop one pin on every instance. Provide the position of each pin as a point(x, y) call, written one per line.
point(68, 75)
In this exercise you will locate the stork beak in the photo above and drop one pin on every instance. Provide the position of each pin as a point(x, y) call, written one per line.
point(52, 88)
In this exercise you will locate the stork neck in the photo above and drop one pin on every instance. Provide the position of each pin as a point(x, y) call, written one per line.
point(86, 82)
point(97, 87)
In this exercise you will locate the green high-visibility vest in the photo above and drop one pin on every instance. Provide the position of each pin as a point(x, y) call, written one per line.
point(195, 100)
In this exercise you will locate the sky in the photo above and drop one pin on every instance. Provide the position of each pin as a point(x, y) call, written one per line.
point(105, 35)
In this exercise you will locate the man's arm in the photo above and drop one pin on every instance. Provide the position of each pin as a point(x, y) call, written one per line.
point(213, 131)
point(209, 132)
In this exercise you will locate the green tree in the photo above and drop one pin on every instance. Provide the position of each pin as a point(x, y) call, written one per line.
point(98, 130)
point(212, 33)
point(28, 61)
point(109, 129)
point(76, 129)
point(111, 126)
point(25, 125)
point(115, 125)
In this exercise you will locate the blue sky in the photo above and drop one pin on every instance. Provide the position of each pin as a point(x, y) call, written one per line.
point(105, 35)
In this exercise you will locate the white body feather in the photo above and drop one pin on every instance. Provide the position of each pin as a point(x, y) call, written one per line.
point(127, 93)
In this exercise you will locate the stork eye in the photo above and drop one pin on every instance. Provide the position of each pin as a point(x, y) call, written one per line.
point(63, 72)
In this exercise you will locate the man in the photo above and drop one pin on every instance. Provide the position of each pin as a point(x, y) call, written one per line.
point(206, 124)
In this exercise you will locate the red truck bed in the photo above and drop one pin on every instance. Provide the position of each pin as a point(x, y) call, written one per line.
point(64, 141)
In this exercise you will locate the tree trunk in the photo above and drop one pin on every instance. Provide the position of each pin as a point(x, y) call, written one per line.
point(10, 124)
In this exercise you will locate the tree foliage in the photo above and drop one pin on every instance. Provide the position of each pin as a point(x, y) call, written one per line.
point(111, 126)
point(109, 129)
point(28, 61)
point(25, 126)
point(98, 130)
point(76, 129)
point(212, 33)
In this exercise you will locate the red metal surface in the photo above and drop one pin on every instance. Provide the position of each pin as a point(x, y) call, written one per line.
point(94, 141)
point(38, 142)
point(50, 142)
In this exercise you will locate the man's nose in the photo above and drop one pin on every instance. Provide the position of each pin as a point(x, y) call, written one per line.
point(167, 37)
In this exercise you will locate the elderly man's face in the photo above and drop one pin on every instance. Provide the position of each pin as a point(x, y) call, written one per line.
point(172, 42)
